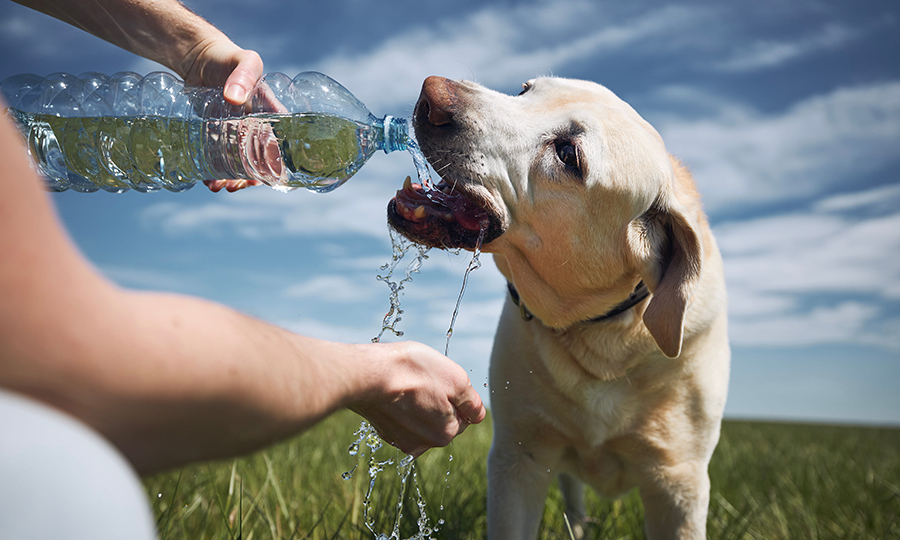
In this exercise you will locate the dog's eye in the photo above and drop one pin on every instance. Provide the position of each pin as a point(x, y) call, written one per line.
point(525, 87)
point(567, 153)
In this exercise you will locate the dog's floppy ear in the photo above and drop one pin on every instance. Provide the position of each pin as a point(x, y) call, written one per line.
point(671, 272)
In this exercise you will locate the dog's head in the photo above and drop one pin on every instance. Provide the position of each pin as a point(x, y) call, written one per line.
point(576, 194)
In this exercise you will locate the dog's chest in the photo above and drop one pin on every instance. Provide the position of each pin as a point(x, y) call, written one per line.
point(588, 411)
point(589, 388)
point(593, 412)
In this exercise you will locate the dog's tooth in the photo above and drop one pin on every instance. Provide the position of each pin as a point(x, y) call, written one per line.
point(407, 184)
point(447, 216)
point(419, 212)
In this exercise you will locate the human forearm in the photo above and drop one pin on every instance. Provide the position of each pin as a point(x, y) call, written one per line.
point(161, 30)
point(172, 379)
point(229, 384)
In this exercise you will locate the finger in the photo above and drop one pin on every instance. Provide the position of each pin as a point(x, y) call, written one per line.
point(235, 185)
point(215, 185)
point(469, 407)
point(243, 78)
point(462, 424)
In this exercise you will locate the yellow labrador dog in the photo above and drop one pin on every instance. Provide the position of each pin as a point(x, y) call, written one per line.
point(610, 364)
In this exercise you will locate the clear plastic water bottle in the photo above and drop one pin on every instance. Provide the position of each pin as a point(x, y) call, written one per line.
point(125, 131)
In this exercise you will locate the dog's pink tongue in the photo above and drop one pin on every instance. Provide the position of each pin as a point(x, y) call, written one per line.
point(469, 215)
point(416, 202)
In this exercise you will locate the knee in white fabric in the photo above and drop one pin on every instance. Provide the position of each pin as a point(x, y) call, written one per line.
point(61, 479)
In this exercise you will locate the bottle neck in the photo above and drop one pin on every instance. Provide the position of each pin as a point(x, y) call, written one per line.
point(396, 134)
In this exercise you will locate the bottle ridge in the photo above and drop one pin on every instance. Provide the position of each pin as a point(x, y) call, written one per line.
point(114, 133)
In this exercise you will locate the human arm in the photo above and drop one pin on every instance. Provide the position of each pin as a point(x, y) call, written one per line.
point(167, 32)
point(172, 379)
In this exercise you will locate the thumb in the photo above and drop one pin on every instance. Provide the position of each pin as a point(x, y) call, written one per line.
point(243, 78)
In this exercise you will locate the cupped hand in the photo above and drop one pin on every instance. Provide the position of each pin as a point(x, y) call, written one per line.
point(417, 398)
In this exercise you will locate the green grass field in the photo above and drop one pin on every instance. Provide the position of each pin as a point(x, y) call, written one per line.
point(770, 481)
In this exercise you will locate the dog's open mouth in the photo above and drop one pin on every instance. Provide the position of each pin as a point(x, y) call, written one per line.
point(441, 216)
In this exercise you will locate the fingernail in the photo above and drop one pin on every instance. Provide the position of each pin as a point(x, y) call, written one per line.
point(235, 93)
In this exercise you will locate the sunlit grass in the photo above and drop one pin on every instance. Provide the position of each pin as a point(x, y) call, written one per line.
point(770, 481)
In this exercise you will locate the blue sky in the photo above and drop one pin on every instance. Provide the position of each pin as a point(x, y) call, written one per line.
point(788, 113)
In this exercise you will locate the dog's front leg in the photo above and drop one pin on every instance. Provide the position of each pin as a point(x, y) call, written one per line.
point(573, 493)
point(676, 503)
point(517, 488)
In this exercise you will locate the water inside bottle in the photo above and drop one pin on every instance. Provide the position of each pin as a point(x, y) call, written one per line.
point(321, 150)
point(315, 151)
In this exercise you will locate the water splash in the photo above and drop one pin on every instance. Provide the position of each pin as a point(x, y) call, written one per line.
point(399, 246)
point(366, 436)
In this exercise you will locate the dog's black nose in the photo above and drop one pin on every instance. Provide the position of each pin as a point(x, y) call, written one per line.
point(438, 101)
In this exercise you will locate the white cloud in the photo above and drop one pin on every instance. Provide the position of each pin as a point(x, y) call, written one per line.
point(742, 156)
point(332, 288)
point(839, 324)
point(765, 54)
point(495, 46)
point(329, 332)
point(148, 278)
point(773, 264)
point(812, 253)
point(883, 200)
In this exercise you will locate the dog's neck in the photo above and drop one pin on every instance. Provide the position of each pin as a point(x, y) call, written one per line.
point(640, 293)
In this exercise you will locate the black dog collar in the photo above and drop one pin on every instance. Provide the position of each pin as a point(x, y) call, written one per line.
point(636, 297)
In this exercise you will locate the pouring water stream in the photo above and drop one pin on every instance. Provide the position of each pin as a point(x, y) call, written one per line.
point(366, 434)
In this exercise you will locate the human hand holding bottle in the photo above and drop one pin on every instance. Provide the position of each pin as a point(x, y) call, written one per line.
point(167, 32)
point(220, 62)
point(224, 64)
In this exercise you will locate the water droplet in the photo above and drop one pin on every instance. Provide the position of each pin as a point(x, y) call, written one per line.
point(158, 496)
